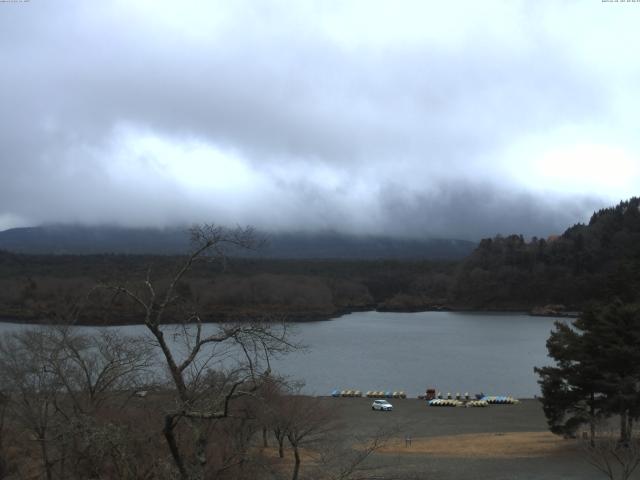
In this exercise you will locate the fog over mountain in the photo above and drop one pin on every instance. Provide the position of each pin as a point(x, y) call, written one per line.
point(69, 239)
point(406, 119)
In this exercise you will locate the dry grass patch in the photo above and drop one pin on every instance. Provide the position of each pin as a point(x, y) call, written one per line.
point(484, 445)
point(307, 455)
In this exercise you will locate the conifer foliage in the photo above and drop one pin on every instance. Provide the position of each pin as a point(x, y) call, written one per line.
point(597, 370)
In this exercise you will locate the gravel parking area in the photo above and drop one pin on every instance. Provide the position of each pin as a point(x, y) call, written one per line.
point(498, 442)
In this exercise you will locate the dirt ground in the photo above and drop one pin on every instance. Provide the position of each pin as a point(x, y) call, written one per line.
point(499, 442)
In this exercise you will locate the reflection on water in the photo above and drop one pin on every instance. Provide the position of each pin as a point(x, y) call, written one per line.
point(450, 351)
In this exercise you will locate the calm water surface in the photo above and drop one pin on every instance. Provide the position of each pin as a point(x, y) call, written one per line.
point(450, 351)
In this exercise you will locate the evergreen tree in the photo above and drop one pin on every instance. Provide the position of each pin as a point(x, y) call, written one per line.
point(570, 396)
point(613, 335)
point(597, 371)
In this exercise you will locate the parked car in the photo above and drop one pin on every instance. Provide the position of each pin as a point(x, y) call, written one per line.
point(381, 405)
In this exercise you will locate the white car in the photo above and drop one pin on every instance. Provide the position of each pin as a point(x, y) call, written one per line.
point(381, 405)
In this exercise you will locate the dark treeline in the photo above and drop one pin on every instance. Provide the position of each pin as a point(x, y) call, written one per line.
point(297, 289)
point(587, 263)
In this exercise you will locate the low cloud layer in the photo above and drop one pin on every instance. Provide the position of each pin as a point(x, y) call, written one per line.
point(377, 117)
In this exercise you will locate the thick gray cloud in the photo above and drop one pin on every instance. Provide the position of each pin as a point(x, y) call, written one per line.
point(315, 115)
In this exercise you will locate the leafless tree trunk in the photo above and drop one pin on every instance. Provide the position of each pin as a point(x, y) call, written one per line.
point(280, 436)
point(296, 456)
point(199, 402)
point(592, 421)
point(306, 421)
point(624, 435)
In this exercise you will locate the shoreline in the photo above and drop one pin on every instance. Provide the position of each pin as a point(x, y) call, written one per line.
point(295, 317)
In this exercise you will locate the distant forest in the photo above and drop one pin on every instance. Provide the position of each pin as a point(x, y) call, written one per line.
point(587, 263)
point(592, 262)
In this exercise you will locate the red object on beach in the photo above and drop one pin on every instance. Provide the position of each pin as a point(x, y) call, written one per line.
point(431, 394)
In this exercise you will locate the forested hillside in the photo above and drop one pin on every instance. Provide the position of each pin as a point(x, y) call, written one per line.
point(586, 263)
point(33, 286)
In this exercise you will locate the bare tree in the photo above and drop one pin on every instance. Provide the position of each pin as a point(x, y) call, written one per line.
point(276, 416)
point(308, 422)
point(615, 459)
point(32, 390)
point(94, 368)
point(96, 372)
point(208, 368)
point(271, 408)
point(121, 445)
point(345, 457)
point(266, 407)
point(56, 378)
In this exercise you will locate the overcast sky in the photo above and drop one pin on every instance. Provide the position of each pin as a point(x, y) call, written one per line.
point(446, 119)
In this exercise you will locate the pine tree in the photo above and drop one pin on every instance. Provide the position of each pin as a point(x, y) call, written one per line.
point(570, 396)
point(597, 371)
point(613, 335)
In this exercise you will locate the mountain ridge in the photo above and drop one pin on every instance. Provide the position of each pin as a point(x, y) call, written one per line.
point(74, 239)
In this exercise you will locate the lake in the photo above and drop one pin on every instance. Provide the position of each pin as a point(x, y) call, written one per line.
point(453, 352)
